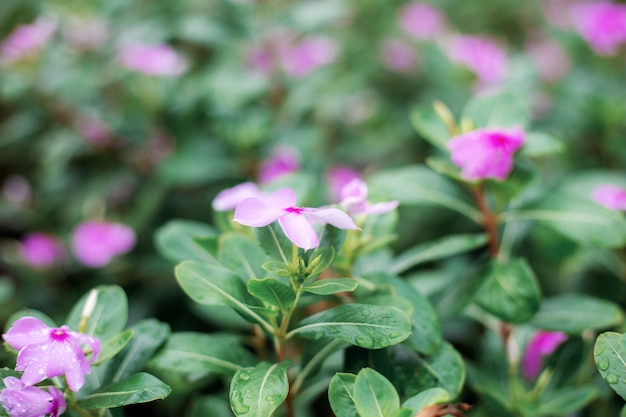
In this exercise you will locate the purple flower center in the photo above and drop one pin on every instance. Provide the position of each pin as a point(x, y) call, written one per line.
point(296, 210)
point(59, 334)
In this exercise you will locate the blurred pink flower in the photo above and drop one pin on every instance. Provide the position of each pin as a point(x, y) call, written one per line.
point(27, 39)
point(20, 400)
point(482, 56)
point(337, 178)
point(421, 20)
point(602, 24)
point(296, 222)
point(16, 189)
point(549, 59)
point(540, 345)
point(305, 56)
point(96, 243)
point(354, 200)
point(486, 153)
point(158, 60)
point(610, 196)
point(229, 198)
point(93, 130)
point(283, 160)
point(260, 60)
point(85, 33)
point(45, 352)
point(41, 250)
point(398, 56)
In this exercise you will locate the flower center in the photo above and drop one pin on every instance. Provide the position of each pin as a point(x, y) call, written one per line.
point(296, 210)
point(59, 334)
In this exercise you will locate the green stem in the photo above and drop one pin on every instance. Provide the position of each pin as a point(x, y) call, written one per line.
point(319, 357)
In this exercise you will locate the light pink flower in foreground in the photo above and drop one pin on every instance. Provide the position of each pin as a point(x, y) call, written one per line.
point(27, 39)
point(482, 56)
point(398, 56)
point(283, 160)
point(421, 20)
point(20, 400)
point(304, 57)
point(337, 178)
point(41, 250)
point(295, 221)
point(96, 243)
point(229, 198)
point(602, 24)
point(354, 200)
point(159, 60)
point(486, 153)
point(45, 352)
point(610, 196)
point(540, 345)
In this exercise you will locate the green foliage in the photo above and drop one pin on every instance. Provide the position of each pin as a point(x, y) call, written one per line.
point(259, 390)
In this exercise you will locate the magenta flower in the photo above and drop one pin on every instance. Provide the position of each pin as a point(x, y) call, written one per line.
point(610, 196)
point(96, 243)
point(27, 39)
point(337, 178)
point(229, 198)
point(398, 56)
point(486, 153)
point(306, 56)
point(540, 345)
point(45, 352)
point(41, 250)
point(602, 24)
point(20, 400)
point(354, 200)
point(283, 160)
point(296, 222)
point(482, 56)
point(159, 60)
point(421, 20)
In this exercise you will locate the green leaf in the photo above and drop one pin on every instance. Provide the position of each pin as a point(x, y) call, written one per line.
point(277, 268)
point(566, 400)
point(367, 326)
point(440, 249)
point(176, 242)
point(427, 397)
point(374, 395)
point(430, 126)
point(113, 346)
point(320, 259)
point(510, 292)
point(609, 353)
point(193, 354)
point(575, 313)
point(109, 315)
point(259, 390)
point(272, 292)
point(541, 144)
point(274, 242)
point(139, 388)
point(341, 395)
point(242, 256)
point(331, 286)
point(500, 109)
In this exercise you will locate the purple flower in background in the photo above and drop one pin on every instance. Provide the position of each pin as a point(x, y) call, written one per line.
point(421, 20)
point(304, 57)
point(45, 352)
point(229, 198)
point(486, 153)
point(41, 250)
point(398, 56)
point(602, 24)
point(283, 160)
point(20, 400)
point(550, 60)
point(296, 222)
point(482, 56)
point(27, 39)
point(337, 178)
point(95, 243)
point(158, 60)
point(610, 196)
point(540, 345)
point(354, 200)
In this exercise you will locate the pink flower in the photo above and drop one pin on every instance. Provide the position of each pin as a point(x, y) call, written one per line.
point(307, 55)
point(96, 243)
point(296, 222)
point(45, 352)
point(85, 33)
point(610, 196)
point(602, 24)
point(398, 56)
point(17, 190)
point(26, 39)
point(421, 20)
point(229, 198)
point(260, 60)
point(283, 160)
point(482, 56)
point(541, 344)
point(549, 58)
point(486, 153)
point(41, 250)
point(158, 60)
point(354, 200)
point(20, 400)
point(337, 178)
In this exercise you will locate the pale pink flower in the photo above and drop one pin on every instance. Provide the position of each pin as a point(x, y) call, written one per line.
point(610, 196)
point(20, 400)
point(482, 56)
point(17, 190)
point(41, 250)
point(421, 20)
point(283, 160)
point(540, 345)
point(398, 56)
point(228, 199)
point(337, 178)
point(260, 60)
point(602, 24)
point(96, 243)
point(85, 33)
point(93, 130)
point(27, 39)
point(158, 60)
point(354, 200)
point(486, 153)
point(45, 352)
point(296, 222)
point(307, 55)
point(550, 60)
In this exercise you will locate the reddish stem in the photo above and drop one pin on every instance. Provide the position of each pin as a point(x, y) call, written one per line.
point(490, 220)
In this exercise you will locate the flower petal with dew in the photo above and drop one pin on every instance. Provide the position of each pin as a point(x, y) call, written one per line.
point(229, 198)
point(45, 352)
point(296, 222)
point(610, 196)
point(540, 345)
point(354, 200)
point(96, 243)
point(486, 153)
point(20, 400)
point(41, 250)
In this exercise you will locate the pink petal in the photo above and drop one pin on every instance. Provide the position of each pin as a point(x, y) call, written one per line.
point(331, 216)
point(256, 213)
point(298, 229)
point(92, 342)
point(20, 400)
point(610, 196)
point(229, 198)
point(282, 198)
point(26, 331)
point(541, 344)
point(381, 208)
